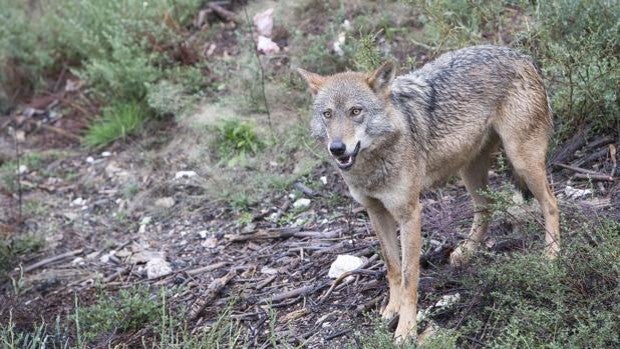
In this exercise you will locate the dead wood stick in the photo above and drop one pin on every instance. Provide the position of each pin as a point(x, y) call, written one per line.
point(304, 189)
point(371, 303)
point(281, 234)
point(116, 274)
point(52, 259)
point(207, 268)
point(586, 159)
point(212, 291)
point(342, 277)
point(304, 290)
point(223, 13)
point(282, 210)
point(595, 176)
point(577, 169)
point(265, 282)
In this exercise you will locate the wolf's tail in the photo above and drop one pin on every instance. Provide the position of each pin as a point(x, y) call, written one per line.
point(519, 182)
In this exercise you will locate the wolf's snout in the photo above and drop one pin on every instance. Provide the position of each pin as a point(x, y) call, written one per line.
point(337, 148)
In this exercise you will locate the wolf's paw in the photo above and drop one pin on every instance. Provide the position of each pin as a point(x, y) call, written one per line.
point(390, 311)
point(461, 255)
point(406, 330)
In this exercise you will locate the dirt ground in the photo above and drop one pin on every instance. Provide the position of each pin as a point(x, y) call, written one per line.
point(106, 214)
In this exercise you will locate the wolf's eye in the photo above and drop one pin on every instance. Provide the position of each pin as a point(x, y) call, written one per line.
point(327, 114)
point(356, 111)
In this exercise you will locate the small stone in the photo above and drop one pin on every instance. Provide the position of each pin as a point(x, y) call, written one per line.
point(23, 169)
point(343, 264)
point(203, 234)
point(269, 271)
point(301, 203)
point(106, 154)
point(90, 160)
point(323, 180)
point(146, 220)
point(156, 268)
point(165, 202)
point(185, 174)
point(77, 202)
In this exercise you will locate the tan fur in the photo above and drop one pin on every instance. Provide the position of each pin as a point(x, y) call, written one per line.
point(415, 132)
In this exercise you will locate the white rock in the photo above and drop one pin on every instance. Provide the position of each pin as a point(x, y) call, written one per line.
point(166, 202)
point(337, 46)
point(324, 180)
point(157, 267)
point(106, 257)
point(78, 261)
point(343, 264)
point(23, 169)
point(448, 300)
point(574, 193)
point(77, 202)
point(185, 174)
point(268, 271)
point(301, 203)
point(106, 154)
point(263, 22)
point(266, 46)
point(90, 160)
point(146, 220)
point(203, 234)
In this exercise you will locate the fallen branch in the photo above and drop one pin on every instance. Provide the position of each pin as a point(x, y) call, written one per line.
point(577, 169)
point(304, 290)
point(212, 291)
point(281, 234)
point(595, 177)
point(304, 189)
point(223, 13)
point(53, 259)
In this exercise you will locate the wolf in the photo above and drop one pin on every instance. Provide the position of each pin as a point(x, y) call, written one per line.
point(393, 137)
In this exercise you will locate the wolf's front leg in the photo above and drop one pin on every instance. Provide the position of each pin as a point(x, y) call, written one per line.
point(385, 227)
point(411, 245)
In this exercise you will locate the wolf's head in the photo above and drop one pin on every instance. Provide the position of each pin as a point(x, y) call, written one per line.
point(350, 112)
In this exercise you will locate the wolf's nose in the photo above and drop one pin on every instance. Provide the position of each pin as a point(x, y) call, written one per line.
point(337, 148)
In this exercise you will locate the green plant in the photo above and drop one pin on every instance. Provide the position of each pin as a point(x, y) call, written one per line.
point(42, 336)
point(367, 56)
point(116, 122)
point(236, 139)
point(132, 309)
point(577, 45)
point(528, 301)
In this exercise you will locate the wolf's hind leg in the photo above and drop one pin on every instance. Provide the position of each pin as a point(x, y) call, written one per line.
point(385, 227)
point(528, 160)
point(476, 177)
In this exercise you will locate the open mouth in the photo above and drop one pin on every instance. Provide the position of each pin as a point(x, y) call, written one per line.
point(346, 161)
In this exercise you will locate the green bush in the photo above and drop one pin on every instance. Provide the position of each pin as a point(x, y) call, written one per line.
point(236, 139)
point(577, 45)
point(116, 122)
point(133, 309)
point(526, 301)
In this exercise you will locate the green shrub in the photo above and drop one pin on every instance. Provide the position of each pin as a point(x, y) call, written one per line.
point(133, 309)
point(22, 59)
point(577, 45)
point(526, 300)
point(236, 139)
point(116, 122)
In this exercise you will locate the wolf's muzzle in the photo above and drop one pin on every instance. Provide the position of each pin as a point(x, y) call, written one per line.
point(346, 161)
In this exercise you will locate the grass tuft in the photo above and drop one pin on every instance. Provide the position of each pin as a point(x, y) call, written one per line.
point(116, 122)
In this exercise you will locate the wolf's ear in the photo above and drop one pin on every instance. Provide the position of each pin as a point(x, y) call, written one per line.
point(381, 79)
point(315, 81)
